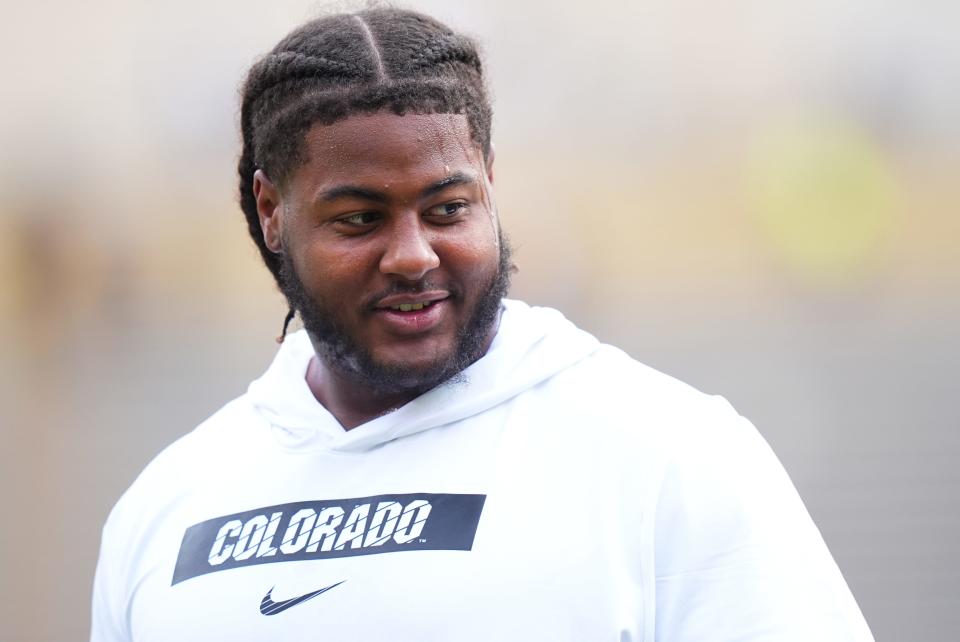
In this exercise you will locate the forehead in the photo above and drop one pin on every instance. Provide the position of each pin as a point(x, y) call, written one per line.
point(384, 146)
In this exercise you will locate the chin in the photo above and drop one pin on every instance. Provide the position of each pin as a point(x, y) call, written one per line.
point(415, 372)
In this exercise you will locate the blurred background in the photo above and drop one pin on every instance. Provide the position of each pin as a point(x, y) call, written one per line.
point(760, 198)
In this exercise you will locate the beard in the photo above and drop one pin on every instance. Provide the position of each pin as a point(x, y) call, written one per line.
point(339, 349)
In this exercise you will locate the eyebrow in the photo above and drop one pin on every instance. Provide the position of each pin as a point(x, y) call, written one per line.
point(355, 191)
point(457, 178)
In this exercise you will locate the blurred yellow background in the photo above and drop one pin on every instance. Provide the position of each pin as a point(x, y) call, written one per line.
point(760, 198)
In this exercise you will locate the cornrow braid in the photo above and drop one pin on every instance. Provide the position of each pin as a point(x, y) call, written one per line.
point(340, 65)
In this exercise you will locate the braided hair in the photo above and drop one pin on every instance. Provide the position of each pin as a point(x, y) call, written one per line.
point(340, 65)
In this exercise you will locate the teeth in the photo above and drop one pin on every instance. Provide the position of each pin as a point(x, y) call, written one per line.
point(409, 307)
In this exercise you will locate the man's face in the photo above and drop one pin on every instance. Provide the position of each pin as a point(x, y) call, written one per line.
point(392, 250)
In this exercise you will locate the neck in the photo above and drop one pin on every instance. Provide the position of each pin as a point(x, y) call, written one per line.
point(352, 404)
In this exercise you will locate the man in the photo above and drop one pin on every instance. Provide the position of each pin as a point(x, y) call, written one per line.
point(427, 460)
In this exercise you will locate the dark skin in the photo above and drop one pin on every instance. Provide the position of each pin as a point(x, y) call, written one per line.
point(391, 227)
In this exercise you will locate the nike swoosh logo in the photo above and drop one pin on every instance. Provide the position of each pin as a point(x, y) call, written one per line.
point(269, 607)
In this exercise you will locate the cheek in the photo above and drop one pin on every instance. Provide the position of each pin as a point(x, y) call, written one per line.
point(324, 270)
point(474, 258)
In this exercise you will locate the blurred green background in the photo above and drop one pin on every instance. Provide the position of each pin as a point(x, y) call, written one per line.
point(760, 198)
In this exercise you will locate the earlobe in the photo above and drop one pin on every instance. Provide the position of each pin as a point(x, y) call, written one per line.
point(269, 210)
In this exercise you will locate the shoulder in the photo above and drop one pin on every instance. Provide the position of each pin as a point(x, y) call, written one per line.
point(187, 462)
point(615, 385)
point(138, 528)
point(618, 368)
point(583, 373)
point(221, 433)
point(641, 421)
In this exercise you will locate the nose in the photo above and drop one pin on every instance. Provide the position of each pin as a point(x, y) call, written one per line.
point(409, 253)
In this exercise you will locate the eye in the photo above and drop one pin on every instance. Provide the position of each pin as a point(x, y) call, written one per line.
point(447, 211)
point(360, 219)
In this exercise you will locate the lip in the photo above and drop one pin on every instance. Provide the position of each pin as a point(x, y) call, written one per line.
point(393, 300)
point(415, 321)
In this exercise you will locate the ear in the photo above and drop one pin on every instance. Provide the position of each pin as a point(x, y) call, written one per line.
point(270, 211)
point(489, 163)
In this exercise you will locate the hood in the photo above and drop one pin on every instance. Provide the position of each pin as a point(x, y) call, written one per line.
point(532, 345)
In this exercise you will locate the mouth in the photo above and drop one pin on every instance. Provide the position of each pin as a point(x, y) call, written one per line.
point(407, 314)
point(410, 307)
point(411, 302)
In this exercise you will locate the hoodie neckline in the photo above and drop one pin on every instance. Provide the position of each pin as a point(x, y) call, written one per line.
point(531, 345)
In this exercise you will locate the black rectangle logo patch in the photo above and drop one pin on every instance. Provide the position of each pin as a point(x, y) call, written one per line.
point(330, 528)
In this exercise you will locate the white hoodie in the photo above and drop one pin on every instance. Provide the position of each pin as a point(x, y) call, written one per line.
point(560, 492)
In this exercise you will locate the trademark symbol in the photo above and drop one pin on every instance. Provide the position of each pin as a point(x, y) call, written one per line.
point(423, 541)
